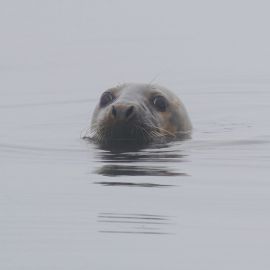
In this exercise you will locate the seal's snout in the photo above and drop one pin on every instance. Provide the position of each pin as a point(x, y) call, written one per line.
point(122, 112)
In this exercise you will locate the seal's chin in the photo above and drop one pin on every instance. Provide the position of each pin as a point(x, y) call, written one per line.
point(127, 135)
point(123, 134)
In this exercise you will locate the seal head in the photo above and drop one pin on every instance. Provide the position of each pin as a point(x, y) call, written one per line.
point(139, 114)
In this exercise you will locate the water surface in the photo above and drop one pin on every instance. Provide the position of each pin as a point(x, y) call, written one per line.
point(202, 203)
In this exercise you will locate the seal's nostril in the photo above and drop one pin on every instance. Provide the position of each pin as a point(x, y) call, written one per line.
point(122, 112)
point(129, 111)
point(114, 111)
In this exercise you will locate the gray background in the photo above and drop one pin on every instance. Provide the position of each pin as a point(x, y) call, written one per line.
point(199, 204)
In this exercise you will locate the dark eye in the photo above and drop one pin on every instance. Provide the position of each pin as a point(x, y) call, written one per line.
point(160, 103)
point(106, 99)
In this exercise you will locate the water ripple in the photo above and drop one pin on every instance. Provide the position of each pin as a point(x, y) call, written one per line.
point(135, 223)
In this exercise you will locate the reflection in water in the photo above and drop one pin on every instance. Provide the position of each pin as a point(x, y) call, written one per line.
point(144, 162)
point(130, 223)
point(131, 184)
point(164, 153)
point(117, 170)
point(143, 169)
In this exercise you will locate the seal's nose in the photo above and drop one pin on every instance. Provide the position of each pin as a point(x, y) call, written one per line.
point(123, 111)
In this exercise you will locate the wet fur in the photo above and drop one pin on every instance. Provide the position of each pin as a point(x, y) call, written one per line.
point(149, 126)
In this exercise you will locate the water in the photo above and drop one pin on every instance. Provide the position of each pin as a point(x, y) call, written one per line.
point(197, 204)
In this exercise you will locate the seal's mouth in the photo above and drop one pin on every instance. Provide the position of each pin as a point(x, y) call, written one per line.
point(126, 133)
point(123, 133)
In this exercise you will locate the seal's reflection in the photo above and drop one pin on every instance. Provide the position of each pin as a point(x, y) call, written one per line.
point(135, 223)
point(155, 161)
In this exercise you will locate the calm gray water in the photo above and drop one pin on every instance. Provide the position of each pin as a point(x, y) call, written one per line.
point(203, 203)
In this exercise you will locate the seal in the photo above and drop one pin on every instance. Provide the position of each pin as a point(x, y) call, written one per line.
point(139, 114)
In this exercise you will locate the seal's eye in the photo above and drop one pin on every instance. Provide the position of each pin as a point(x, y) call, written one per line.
point(160, 103)
point(106, 99)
